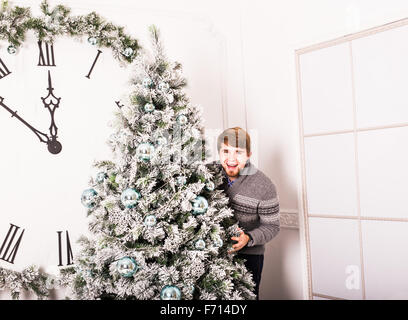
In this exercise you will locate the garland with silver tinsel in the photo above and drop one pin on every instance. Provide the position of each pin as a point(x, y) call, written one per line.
point(16, 21)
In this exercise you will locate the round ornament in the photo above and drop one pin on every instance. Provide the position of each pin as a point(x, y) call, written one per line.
point(200, 244)
point(200, 205)
point(170, 293)
point(88, 198)
point(127, 267)
point(129, 198)
point(150, 220)
point(92, 40)
point(164, 86)
point(182, 119)
point(149, 107)
point(100, 177)
point(218, 242)
point(147, 82)
point(160, 141)
point(181, 180)
point(11, 49)
point(128, 52)
point(210, 186)
point(144, 151)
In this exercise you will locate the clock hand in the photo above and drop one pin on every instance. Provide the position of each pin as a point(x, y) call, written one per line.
point(38, 133)
point(51, 102)
point(53, 145)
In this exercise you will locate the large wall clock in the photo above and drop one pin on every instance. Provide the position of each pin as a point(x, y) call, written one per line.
point(55, 109)
point(56, 102)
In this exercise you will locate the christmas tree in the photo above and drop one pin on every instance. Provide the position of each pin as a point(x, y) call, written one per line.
point(159, 227)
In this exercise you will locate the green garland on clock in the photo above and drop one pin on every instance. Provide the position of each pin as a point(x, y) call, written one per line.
point(15, 21)
point(31, 280)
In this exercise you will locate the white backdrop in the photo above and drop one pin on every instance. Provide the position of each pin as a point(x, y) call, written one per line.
point(257, 41)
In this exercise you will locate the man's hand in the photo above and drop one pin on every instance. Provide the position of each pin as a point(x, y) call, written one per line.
point(243, 239)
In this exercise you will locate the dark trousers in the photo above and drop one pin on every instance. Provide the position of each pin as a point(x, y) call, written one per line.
point(254, 263)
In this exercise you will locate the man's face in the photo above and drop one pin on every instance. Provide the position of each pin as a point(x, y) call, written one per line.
point(233, 159)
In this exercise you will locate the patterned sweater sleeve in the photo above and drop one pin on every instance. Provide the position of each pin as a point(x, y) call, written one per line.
point(269, 218)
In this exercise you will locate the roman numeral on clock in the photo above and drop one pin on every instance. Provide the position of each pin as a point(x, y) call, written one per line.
point(7, 243)
point(48, 59)
point(93, 65)
point(4, 71)
point(70, 256)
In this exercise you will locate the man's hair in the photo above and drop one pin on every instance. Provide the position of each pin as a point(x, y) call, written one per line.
point(235, 137)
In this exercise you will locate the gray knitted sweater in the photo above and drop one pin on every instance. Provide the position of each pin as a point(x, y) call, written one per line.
point(255, 202)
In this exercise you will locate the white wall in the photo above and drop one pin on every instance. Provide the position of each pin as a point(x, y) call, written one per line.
point(260, 89)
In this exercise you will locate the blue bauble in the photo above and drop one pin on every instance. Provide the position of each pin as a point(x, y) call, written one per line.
point(130, 197)
point(92, 40)
point(210, 186)
point(127, 267)
point(11, 49)
point(88, 198)
point(100, 177)
point(181, 180)
point(149, 107)
point(200, 205)
point(144, 151)
point(128, 52)
point(182, 119)
point(170, 293)
point(163, 86)
point(147, 82)
point(218, 242)
point(150, 220)
point(200, 244)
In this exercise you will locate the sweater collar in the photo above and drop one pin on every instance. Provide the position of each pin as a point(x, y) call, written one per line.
point(249, 169)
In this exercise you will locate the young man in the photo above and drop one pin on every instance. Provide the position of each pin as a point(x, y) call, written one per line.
point(253, 198)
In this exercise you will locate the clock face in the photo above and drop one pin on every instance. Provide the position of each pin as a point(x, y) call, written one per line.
point(56, 105)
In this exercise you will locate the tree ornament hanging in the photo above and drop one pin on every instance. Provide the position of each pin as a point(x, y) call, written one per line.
point(218, 242)
point(130, 197)
point(92, 41)
point(170, 293)
point(100, 177)
point(200, 205)
point(199, 244)
point(147, 82)
point(210, 186)
point(182, 119)
point(88, 198)
point(128, 52)
point(127, 267)
point(149, 107)
point(150, 220)
point(11, 49)
point(181, 180)
point(164, 86)
point(145, 151)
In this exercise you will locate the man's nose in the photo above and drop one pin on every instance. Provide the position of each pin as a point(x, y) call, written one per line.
point(232, 156)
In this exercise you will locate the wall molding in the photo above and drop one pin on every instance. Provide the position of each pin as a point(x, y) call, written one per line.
point(289, 219)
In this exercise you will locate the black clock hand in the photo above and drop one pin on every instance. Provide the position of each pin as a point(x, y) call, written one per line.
point(42, 136)
point(53, 145)
point(51, 102)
